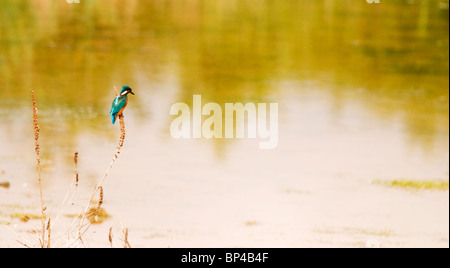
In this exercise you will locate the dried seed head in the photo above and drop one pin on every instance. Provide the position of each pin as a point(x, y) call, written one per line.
point(75, 161)
point(100, 202)
point(110, 237)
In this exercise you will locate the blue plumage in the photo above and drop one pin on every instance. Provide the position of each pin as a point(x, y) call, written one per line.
point(119, 103)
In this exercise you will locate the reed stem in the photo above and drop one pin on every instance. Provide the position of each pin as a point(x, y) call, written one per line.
point(100, 183)
point(38, 160)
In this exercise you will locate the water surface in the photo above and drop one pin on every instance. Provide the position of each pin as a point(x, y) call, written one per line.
point(363, 96)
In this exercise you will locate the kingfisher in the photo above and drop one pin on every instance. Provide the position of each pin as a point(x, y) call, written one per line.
point(120, 102)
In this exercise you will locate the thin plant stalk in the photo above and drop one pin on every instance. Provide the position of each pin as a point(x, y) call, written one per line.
point(126, 244)
point(48, 233)
point(100, 183)
point(38, 160)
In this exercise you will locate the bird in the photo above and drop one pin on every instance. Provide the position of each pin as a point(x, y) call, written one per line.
point(119, 103)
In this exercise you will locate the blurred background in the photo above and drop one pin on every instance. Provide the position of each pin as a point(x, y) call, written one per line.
point(363, 98)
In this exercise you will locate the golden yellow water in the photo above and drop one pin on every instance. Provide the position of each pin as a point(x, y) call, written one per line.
point(363, 96)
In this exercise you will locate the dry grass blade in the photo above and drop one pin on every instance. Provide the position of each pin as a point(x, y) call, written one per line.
point(126, 244)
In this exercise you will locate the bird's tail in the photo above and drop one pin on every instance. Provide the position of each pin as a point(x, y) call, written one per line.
point(113, 118)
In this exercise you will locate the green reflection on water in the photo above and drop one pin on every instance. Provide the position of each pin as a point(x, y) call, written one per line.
point(393, 57)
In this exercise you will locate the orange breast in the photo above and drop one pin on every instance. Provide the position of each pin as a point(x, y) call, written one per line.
point(121, 111)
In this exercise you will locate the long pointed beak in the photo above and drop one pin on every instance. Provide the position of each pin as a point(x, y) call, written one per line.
point(131, 92)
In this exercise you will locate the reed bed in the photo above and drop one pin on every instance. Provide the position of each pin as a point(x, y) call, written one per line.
point(93, 210)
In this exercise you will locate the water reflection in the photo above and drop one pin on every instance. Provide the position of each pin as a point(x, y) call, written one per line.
point(395, 54)
point(344, 72)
